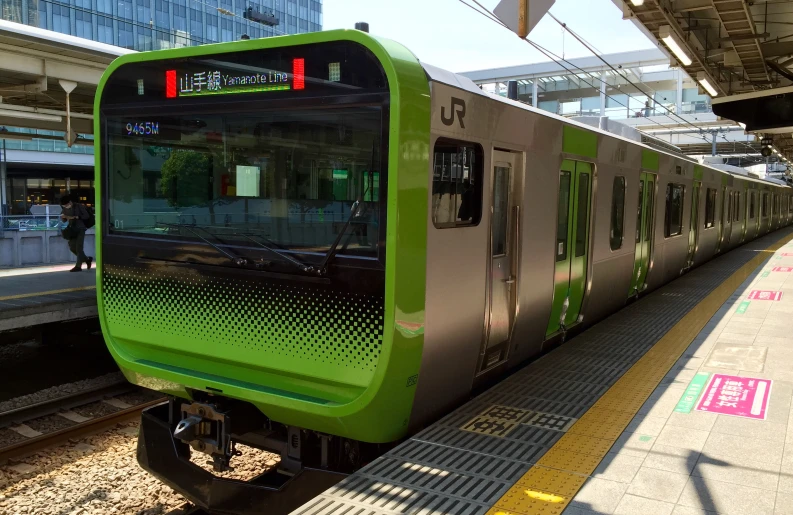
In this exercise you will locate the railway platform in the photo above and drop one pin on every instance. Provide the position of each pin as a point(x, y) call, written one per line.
point(37, 296)
point(678, 404)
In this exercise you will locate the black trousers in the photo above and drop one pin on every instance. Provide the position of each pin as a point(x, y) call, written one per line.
point(76, 246)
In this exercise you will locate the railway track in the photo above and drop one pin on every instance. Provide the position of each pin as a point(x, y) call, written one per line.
point(16, 420)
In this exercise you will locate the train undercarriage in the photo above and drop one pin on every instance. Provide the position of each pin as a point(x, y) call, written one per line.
point(310, 462)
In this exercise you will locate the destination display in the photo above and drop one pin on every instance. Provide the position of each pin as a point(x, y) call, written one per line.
point(216, 82)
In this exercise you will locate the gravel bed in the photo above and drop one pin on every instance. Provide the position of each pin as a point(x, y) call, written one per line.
point(96, 409)
point(8, 437)
point(60, 391)
point(99, 475)
point(252, 463)
point(49, 424)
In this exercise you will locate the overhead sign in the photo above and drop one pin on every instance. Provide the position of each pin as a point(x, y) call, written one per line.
point(521, 16)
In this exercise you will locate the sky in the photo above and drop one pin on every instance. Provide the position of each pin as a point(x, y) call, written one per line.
point(447, 34)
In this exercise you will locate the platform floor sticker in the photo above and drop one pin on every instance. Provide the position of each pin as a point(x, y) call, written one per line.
point(737, 396)
point(743, 307)
point(783, 269)
point(690, 396)
point(765, 295)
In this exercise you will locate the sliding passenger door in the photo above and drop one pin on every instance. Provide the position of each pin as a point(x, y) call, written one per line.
point(504, 230)
point(724, 221)
point(644, 226)
point(693, 230)
point(572, 244)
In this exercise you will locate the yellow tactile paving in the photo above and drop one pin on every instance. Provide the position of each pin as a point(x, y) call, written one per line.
point(570, 461)
point(45, 293)
point(550, 485)
point(584, 444)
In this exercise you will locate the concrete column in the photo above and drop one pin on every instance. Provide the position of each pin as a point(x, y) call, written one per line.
point(603, 84)
point(535, 101)
point(679, 99)
point(4, 208)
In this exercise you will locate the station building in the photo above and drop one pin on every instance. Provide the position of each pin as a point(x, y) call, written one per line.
point(39, 166)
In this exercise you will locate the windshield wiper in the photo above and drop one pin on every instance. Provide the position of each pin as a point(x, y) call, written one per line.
point(303, 267)
point(237, 260)
point(323, 267)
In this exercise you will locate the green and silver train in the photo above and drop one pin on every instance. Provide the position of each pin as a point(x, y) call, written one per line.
point(314, 243)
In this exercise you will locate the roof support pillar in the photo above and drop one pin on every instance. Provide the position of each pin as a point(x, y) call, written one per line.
point(68, 86)
point(4, 209)
point(603, 82)
point(679, 96)
point(535, 101)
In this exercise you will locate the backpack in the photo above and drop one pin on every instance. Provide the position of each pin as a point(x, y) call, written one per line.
point(91, 220)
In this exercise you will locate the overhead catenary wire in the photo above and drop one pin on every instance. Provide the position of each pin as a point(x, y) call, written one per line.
point(597, 54)
point(559, 60)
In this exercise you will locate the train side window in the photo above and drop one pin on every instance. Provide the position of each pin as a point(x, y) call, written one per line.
point(582, 220)
point(737, 210)
point(458, 171)
point(650, 208)
point(673, 221)
point(618, 212)
point(563, 215)
point(751, 204)
point(764, 206)
point(710, 208)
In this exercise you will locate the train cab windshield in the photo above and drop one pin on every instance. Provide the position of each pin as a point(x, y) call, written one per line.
point(259, 148)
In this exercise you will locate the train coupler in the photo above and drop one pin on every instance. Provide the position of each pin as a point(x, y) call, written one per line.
point(167, 457)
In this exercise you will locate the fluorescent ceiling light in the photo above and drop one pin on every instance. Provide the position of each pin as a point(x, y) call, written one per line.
point(671, 41)
point(637, 3)
point(30, 116)
point(705, 82)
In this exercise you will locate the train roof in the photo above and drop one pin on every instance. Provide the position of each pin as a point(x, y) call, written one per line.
point(458, 81)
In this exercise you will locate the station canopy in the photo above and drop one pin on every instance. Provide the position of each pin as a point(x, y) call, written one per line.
point(740, 52)
point(38, 67)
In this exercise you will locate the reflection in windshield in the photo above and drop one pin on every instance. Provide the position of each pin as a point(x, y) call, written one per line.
point(289, 178)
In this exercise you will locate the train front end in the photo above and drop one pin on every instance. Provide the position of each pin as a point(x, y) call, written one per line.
point(257, 201)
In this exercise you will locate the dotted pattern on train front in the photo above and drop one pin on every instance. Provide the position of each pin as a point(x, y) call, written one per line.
point(297, 321)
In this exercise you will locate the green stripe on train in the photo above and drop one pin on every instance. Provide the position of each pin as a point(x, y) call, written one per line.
point(580, 142)
point(650, 160)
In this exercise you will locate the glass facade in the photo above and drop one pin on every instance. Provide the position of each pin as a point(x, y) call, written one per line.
point(139, 25)
point(156, 24)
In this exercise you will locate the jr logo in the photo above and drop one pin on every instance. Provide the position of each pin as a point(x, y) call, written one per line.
point(458, 109)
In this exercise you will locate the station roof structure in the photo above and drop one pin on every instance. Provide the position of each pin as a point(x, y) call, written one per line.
point(742, 49)
point(35, 67)
point(618, 86)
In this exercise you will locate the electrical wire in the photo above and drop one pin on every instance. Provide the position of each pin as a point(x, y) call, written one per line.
point(558, 60)
point(589, 47)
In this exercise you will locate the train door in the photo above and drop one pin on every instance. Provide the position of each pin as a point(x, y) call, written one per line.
point(572, 244)
point(745, 213)
point(693, 232)
point(504, 226)
point(644, 226)
point(726, 216)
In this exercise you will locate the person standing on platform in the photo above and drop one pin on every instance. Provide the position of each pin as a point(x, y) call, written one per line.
point(76, 215)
